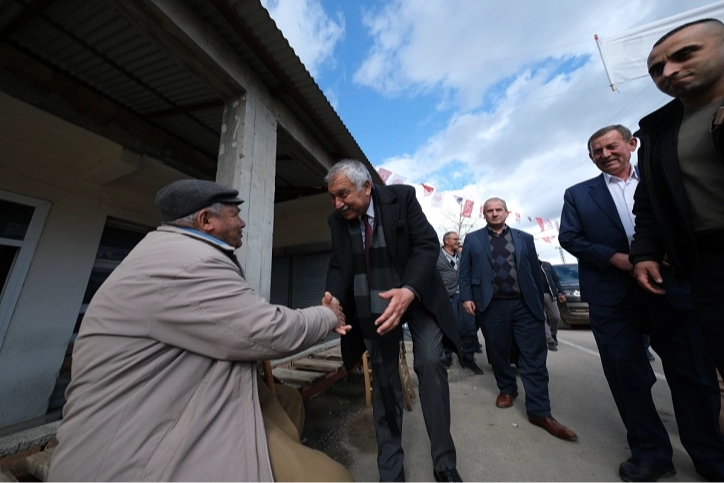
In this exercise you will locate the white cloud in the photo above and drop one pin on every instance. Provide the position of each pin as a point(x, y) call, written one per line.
point(520, 82)
point(466, 46)
point(311, 32)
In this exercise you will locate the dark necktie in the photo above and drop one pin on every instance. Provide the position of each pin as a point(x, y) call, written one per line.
point(368, 243)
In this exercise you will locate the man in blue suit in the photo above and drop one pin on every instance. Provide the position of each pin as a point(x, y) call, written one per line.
point(501, 284)
point(597, 226)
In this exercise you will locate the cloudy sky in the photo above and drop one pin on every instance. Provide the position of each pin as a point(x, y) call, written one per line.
point(477, 98)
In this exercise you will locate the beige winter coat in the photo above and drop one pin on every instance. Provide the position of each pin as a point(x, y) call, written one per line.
point(164, 380)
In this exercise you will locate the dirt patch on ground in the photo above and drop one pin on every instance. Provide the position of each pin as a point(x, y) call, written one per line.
point(338, 423)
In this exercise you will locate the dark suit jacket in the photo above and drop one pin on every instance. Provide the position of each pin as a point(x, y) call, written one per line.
point(551, 278)
point(413, 246)
point(477, 275)
point(664, 223)
point(592, 231)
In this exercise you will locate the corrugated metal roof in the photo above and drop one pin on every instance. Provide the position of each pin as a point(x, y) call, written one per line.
point(90, 42)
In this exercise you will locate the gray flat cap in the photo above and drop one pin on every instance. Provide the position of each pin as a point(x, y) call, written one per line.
point(187, 196)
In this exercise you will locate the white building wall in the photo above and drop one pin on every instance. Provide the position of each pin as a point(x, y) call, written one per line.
point(45, 158)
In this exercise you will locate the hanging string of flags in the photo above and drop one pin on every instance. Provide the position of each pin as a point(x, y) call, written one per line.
point(467, 206)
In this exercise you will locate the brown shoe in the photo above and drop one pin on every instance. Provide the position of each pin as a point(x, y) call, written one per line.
point(554, 427)
point(505, 400)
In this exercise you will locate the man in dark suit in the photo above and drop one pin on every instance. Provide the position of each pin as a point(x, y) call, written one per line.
point(680, 200)
point(500, 283)
point(597, 227)
point(382, 271)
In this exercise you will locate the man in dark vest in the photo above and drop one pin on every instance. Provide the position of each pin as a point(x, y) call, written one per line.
point(382, 271)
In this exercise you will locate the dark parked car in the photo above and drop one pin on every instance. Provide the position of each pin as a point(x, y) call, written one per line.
point(573, 310)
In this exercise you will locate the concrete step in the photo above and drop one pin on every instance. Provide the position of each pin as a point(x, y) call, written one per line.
point(38, 464)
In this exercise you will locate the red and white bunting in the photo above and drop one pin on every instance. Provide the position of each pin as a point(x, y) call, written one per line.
point(396, 179)
point(437, 199)
point(468, 209)
point(384, 174)
point(427, 189)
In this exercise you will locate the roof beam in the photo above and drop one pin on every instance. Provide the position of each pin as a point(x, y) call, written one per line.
point(30, 81)
point(174, 25)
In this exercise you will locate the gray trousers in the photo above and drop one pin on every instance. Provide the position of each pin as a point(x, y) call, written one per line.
point(553, 316)
point(434, 394)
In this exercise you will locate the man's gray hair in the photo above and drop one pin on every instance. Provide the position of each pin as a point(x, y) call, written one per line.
point(623, 130)
point(189, 220)
point(354, 170)
point(501, 200)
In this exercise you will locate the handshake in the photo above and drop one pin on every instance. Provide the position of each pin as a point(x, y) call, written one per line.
point(328, 301)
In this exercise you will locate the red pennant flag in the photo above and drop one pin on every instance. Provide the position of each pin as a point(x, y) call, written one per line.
point(468, 208)
point(546, 239)
point(384, 174)
point(540, 223)
point(427, 189)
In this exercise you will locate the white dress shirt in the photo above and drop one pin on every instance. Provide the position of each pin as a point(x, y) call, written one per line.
point(622, 193)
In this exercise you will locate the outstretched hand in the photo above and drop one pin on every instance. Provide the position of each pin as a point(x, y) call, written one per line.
point(400, 299)
point(329, 301)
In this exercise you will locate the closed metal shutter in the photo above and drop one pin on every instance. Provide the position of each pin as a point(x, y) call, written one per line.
point(280, 281)
point(309, 274)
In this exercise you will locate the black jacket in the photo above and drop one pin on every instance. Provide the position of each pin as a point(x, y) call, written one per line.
point(663, 219)
point(414, 249)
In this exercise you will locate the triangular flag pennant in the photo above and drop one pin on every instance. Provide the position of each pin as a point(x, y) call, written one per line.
point(437, 199)
point(459, 199)
point(546, 239)
point(468, 209)
point(549, 224)
point(540, 223)
point(427, 189)
point(517, 217)
point(397, 179)
point(481, 211)
point(384, 174)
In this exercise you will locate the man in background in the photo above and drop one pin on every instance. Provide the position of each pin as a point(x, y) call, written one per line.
point(447, 264)
point(500, 284)
point(552, 294)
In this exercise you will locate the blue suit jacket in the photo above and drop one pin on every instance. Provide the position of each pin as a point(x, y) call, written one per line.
point(477, 277)
point(592, 231)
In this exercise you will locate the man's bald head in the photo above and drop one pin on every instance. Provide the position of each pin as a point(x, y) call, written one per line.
point(712, 25)
point(688, 63)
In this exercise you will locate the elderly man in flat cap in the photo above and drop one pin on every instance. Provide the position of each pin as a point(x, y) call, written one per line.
point(164, 384)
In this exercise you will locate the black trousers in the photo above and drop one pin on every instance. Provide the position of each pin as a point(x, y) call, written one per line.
point(707, 284)
point(677, 337)
point(434, 394)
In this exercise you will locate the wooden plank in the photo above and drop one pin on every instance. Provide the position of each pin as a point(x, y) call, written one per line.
point(320, 365)
point(303, 378)
point(332, 353)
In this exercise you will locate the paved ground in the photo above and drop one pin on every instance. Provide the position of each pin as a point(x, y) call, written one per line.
point(500, 444)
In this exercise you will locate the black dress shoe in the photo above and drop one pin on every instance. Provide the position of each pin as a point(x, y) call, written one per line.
point(447, 475)
point(637, 470)
point(470, 364)
point(552, 347)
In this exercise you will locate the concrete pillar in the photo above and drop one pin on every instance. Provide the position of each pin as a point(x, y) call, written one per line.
point(247, 162)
